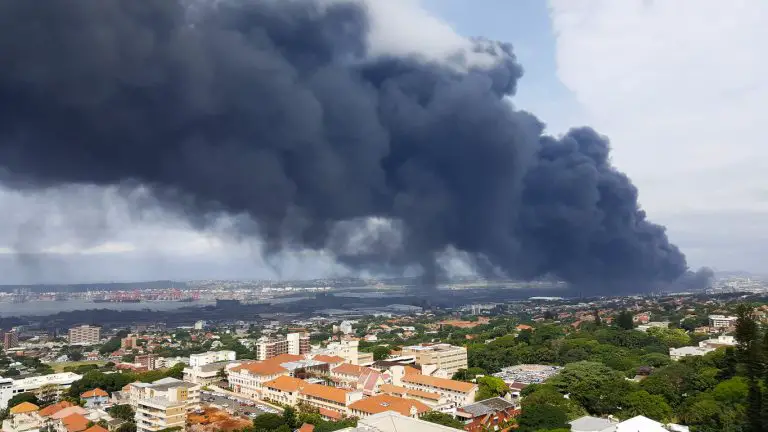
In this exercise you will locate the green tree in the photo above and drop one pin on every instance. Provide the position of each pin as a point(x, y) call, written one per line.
point(750, 355)
point(672, 338)
point(289, 417)
point(23, 397)
point(642, 403)
point(596, 387)
point(268, 422)
point(177, 371)
point(624, 320)
point(490, 387)
point(127, 427)
point(538, 417)
point(380, 353)
point(443, 419)
point(468, 374)
point(123, 412)
point(110, 346)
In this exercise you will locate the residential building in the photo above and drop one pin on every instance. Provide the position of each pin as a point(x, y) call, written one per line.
point(54, 383)
point(652, 324)
point(163, 403)
point(720, 341)
point(23, 417)
point(458, 393)
point(292, 343)
point(346, 349)
point(390, 421)
point(10, 340)
point(95, 398)
point(129, 342)
point(365, 358)
point(84, 335)
point(678, 353)
point(592, 424)
point(346, 327)
point(378, 404)
point(146, 361)
point(199, 325)
point(722, 321)
point(211, 357)
point(75, 422)
point(447, 357)
point(489, 414)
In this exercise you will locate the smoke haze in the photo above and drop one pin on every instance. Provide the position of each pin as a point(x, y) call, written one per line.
point(283, 115)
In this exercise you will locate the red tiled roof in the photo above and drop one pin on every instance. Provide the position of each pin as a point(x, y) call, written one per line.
point(325, 392)
point(94, 393)
point(53, 409)
point(260, 368)
point(328, 359)
point(96, 428)
point(442, 383)
point(75, 423)
point(384, 402)
point(307, 427)
point(285, 383)
point(331, 414)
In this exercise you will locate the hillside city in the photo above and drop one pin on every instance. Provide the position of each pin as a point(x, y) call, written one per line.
point(662, 363)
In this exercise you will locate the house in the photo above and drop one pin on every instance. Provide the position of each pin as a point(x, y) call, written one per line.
point(72, 423)
point(381, 403)
point(307, 427)
point(23, 417)
point(95, 398)
point(489, 414)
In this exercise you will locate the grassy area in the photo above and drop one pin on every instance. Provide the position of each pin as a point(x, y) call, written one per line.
point(59, 367)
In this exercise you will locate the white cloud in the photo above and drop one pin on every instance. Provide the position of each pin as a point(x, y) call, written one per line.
point(679, 87)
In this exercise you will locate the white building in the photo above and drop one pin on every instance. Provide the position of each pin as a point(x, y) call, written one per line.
point(722, 321)
point(652, 324)
point(346, 327)
point(390, 421)
point(199, 325)
point(54, 382)
point(204, 368)
point(346, 349)
point(445, 356)
point(678, 353)
point(720, 341)
point(84, 335)
point(163, 403)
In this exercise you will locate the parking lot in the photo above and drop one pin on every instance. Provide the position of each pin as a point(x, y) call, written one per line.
point(238, 406)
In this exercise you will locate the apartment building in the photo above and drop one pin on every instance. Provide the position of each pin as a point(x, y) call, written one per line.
point(57, 383)
point(722, 321)
point(346, 349)
point(204, 368)
point(457, 393)
point(211, 357)
point(357, 377)
point(292, 343)
point(445, 356)
point(84, 335)
point(146, 361)
point(162, 404)
point(10, 340)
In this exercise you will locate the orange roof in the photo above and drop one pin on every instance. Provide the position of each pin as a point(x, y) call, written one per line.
point(384, 402)
point(24, 407)
point(260, 368)
point(325, 412)
point(402, 391)
point(68, 411)
point(459, 324)
point(94, 393)
point(307, 427)
point(524, 327)
point(284, 383)
point(442, 383)
point(75, 423)
point(284, 358)
point(53, 409)
point(410, 370)
point(96, 428)
point(325, 392)
point(329, 359)
point(350, 369)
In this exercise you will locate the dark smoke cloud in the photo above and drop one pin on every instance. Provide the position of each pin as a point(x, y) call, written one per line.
point(274, 110)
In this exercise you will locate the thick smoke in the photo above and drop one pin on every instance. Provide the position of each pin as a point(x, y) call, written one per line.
point(276, 111)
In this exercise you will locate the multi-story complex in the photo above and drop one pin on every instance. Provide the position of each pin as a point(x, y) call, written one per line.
point(10, 340)
point(146, 361)
point(722, 321)
point(84, 335)
point(128, 342)
point(446, 357)
point(247, 378)
point(204, 368)
point(293, 391)
point(457, 393)
point(162, 404)
point(433, 400)
point(56, 383)
point(346, 327)
point(385, 402)
point(211, 357)
point(292, 343)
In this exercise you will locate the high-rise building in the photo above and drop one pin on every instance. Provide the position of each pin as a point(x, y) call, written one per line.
point(129, 342)
point(84, 335)
point(293, 343)
point(10, 340)
point(147, 361)
point(446, 357)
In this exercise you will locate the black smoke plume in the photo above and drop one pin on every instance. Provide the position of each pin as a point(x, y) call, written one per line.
point(275, 110)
